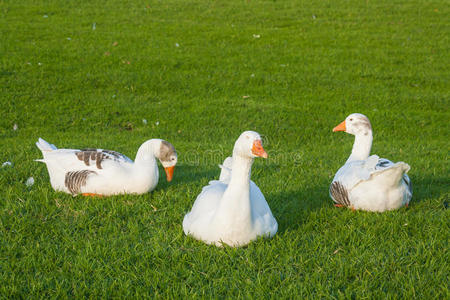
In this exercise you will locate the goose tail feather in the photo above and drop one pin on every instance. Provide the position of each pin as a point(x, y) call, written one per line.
point(394, 175)
point(45, 146)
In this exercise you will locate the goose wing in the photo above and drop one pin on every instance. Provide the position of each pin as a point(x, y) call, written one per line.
point(348, 176)
point(100, 156)
point(225, 173)
point(384, 164)
point(264, 219)
point(86, 159)
point(204, 208)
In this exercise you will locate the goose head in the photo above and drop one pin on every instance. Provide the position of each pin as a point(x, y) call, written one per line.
point(162, 150)
point(168, 157)
point(356, 124)
point(249, 145)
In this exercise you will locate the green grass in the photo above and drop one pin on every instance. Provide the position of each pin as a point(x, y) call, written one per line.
point(314, 63)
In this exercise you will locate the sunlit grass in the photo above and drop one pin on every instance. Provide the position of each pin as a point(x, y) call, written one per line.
point(86, 73)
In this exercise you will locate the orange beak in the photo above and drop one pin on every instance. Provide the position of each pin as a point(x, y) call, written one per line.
point(258, 149)
point(340, 127)
point(169, 173)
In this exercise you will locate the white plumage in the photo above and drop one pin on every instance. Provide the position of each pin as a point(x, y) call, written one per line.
point(369, 182)
point(233, 210)
point(105, 172)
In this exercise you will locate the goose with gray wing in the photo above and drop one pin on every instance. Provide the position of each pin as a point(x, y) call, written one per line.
point(368, 182)
point(93, 171)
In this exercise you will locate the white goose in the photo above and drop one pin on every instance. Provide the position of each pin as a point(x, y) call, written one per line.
point(104, 172)
point(233, 210)
point(369, 182)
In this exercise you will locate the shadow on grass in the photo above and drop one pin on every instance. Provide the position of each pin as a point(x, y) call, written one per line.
point(292, 208)
point(429, 188)
point(185, 174)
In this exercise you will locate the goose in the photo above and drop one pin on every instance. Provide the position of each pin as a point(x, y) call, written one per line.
point(99, 172)
point(233, 210)
point(368, 182)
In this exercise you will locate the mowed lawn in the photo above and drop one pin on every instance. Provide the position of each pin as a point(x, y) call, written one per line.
point(113, 74)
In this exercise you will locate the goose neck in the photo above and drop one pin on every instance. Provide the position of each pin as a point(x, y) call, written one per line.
point(241, 170)
point(235, 206)
point(146, 152)
point(361, 146)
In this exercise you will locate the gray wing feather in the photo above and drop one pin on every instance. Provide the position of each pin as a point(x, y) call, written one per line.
point(383, 163)
point(99, 155)
point(76, 179)
point(339, 193)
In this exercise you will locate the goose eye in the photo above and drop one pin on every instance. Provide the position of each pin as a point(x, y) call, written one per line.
point(351, 119)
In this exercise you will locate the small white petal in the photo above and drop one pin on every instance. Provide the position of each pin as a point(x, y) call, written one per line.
point(144, 121)
point(45, 16)
point(15, 127)
point(256, 36)
point(253, 75)
point(30, 182)
point(39, 64)
point(157, 123)
point(314, 17)
point(6, 164)
point(94, 26)
point(69, 38)
point(177, 45)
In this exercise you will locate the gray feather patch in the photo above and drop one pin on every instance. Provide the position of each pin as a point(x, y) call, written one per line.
point(76, 179)
point(339, 193)
point(91, 154)
point(408, 182)
point(363, 123)
point(166, 151)
point(383, 164)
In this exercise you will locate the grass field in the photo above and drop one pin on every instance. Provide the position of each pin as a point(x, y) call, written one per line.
point(87, 73)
